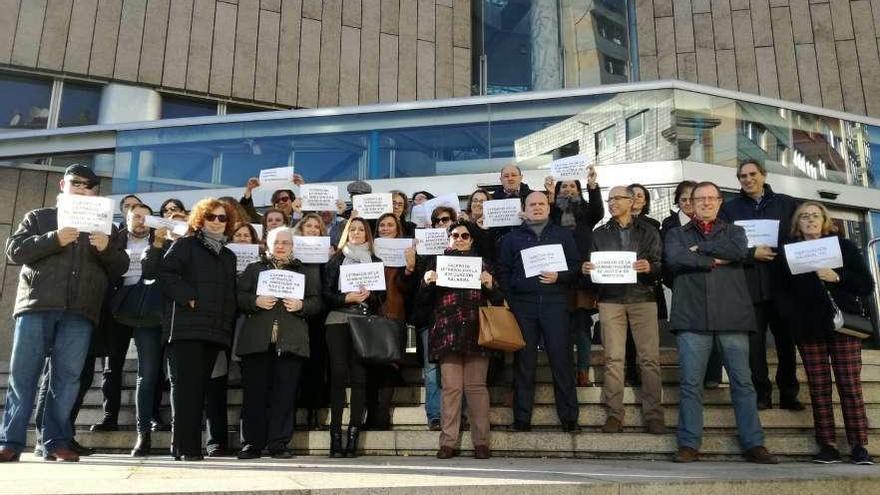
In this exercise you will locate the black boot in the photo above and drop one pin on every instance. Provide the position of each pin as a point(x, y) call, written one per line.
point(352, 446)
point(336, 449)
point(142, 445)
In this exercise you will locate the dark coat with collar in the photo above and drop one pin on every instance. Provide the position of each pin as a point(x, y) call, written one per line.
point(587, 215)
point(645, 241)
point(709, 297)
point(511, 275)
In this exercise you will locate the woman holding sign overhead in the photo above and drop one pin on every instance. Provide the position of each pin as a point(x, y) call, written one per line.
point(809, 304)
point(453, 339)
point(355, 247)
point(273, 344)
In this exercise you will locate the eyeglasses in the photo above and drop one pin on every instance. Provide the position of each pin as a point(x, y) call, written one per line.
point(82, 184)
point(282, 199)
point(216, 218)
point(612, 199)
point(442, 219)
point(810, 216)
point(705, 199)
point(465, 236)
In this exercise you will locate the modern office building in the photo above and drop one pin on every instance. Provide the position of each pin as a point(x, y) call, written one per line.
point(187, 98)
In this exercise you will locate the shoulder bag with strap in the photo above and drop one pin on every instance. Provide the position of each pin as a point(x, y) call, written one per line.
point(499, 329)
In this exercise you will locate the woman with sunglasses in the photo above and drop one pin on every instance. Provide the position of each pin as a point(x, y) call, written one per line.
point(273, 345)
point(198, 277)
point(453, 342)
point(355, 246)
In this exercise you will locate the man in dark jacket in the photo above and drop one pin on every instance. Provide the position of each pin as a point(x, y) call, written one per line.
point(60, 293)
point(635, 304)
point(540, 304)
point(711, 304)
point(511, 184)
point(757, 201)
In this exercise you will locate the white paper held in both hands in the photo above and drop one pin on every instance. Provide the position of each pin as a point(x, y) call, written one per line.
point(372, 206)
point(311, 249)
point(276, 176)
point(809, 256)
point(502, 213)
point(546, 258)
point(431, 241)
point(283, 284)
point(175, 226)
point(370, 276)
point(318, 197)
point(459, 272)
point(571, 167)
point(613, 267)
point(85, 213)
point(761, 232)
point(245, 254)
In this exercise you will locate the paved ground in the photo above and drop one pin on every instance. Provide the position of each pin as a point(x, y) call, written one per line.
point(106, 474)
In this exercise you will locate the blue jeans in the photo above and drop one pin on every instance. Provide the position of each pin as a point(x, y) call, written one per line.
point(64, 337)
point(149, 352)
point(432, 383)
point(693, 356)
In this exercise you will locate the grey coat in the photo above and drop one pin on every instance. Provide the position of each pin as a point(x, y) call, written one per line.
point(293, 329)
point(709, 298)
point(72, 278)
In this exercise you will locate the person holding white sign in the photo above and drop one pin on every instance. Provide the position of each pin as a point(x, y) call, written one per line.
point(632, 305)
point(63, 280)
point(810, 301)
point(346, 368)
point(273, 344)
point(282, 199)
point(711, 306)
point(453, 342)
point(540, 305)
point(757, 201)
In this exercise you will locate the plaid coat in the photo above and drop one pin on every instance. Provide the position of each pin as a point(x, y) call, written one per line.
point(456, 328)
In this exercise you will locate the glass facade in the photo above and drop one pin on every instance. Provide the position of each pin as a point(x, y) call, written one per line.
point(80, 104)
point(24, 104)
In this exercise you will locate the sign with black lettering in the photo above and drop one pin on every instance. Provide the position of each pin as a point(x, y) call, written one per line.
point(502, 213)
point(283, 284)
point(613, 267)
point(546, 258)
point(370, 276)
point(85, 213)
point(459, 272)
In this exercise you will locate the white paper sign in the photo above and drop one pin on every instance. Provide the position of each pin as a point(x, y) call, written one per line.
point(318, 197)
point(311, 249)
point(547, 258)
point(85, 213)
point(370, 276)
point(259, 228)
point(431, 241)
point(175, 226)
point(283, 284)
point(459, 272)
point(134, 264)
point(372, 206)
point(502, 213)
point(761, 232)
point(613, 267)
point(570, 168)
point(392, 252)
point(419, 215)
point(809, 256)
point(245, 254)
point(276, 175)
point(450, 200)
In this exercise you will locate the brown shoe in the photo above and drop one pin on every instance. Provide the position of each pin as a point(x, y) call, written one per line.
point(759, 455)
point(655, 427)
point(612, 425)
point(62, 454)
point(583, 378)
point(445, 453)
point(686, 454)
point(482, 452)
point(8, 455)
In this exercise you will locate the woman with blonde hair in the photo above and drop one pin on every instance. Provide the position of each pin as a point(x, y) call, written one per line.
point(809, 303)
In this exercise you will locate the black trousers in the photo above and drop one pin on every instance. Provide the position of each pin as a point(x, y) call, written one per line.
point(191, 364)
point(313, 395)
point(550, 321)
point(345, 367)
point(269, 384)
point(766, 315)
point(380, 392)
point(216, 419)
point(85, 383)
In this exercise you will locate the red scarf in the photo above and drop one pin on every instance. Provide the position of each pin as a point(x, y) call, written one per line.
point(705, 227)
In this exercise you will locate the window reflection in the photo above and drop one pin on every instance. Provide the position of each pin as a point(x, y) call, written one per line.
point(24, 103)
point(175, 108)
point(80, 104)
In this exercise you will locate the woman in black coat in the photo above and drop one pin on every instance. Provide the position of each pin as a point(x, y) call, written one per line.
point(198, 276)
point(355, 246)
point(273, 344)
point(810, 314)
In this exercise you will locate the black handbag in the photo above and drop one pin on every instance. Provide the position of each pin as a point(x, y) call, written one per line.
point(139, 305)
point(861, 325)
point(376, 340)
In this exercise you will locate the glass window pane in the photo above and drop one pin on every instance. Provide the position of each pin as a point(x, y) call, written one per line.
point(871, 154)
point(232, 109)
point(24, 103)
point(175, 108)
point(80, 104)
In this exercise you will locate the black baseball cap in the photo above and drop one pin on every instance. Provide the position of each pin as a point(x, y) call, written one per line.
point(80, 170)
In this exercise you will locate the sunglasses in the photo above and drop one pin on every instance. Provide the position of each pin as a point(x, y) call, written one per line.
point(82, 184)
point(282, 199)
point(216, 218)
point(465, 236)
point(442, 219)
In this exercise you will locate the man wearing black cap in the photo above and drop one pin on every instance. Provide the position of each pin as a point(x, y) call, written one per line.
point(354, 188)
point(61, 289)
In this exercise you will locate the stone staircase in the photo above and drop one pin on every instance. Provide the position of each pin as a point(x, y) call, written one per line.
point(787, 433)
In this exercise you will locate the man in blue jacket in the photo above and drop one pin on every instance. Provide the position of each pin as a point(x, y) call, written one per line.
point(757, 201)
point(540, 304)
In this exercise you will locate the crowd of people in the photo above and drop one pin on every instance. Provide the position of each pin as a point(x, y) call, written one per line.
point(84, 296)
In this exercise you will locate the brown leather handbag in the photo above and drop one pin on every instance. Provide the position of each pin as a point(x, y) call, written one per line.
point(499, 329)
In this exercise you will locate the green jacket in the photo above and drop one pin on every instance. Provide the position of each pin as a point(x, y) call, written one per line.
point(293, 330)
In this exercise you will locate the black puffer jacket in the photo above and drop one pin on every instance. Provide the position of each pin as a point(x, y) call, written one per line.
point(73, 278)
point(191, 271)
